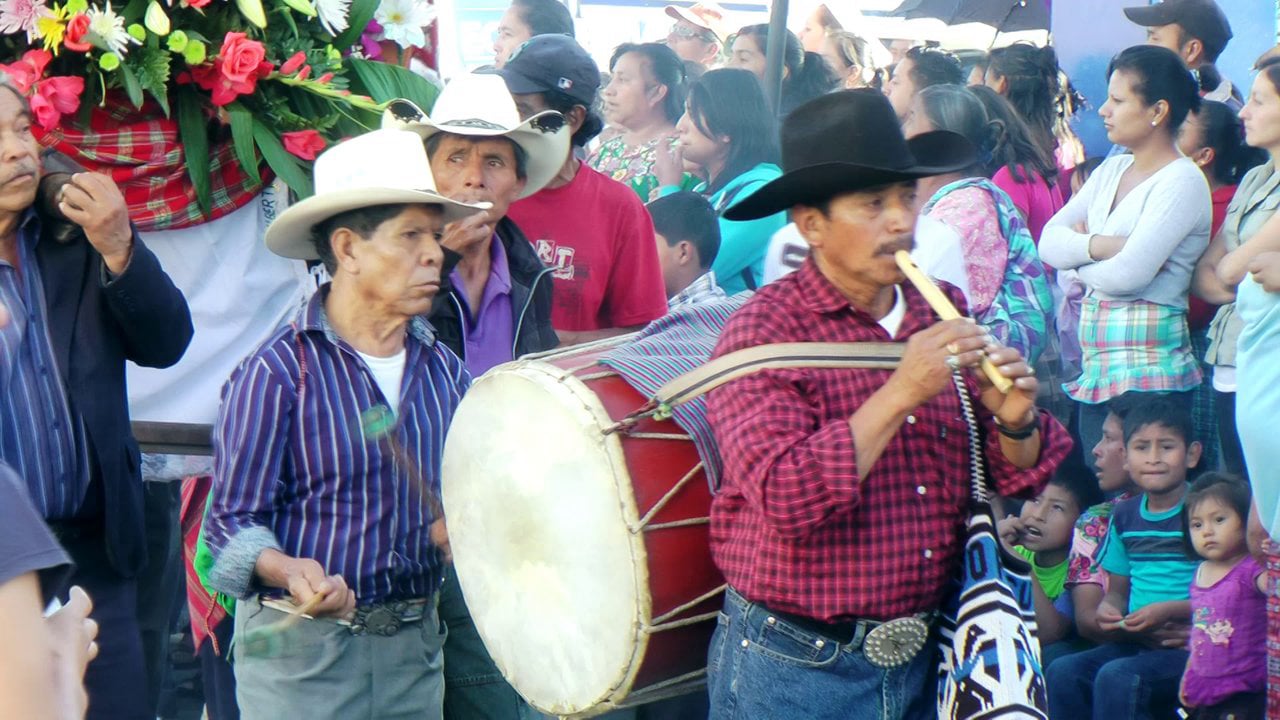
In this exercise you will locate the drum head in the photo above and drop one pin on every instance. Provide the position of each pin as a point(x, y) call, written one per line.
point(539, 506)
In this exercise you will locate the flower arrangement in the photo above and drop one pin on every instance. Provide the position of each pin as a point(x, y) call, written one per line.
point(278, 80)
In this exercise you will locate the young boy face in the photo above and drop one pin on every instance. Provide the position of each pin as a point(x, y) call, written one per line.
point(1049, 519)
point(1108, 456)
point(1158, 458)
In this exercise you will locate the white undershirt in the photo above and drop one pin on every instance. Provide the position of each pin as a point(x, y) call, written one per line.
point(893, 320)
point(387, 372)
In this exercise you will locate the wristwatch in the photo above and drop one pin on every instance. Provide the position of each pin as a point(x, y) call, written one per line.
point(1021, 433)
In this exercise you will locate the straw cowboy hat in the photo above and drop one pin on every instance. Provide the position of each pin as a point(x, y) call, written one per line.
point(706, 15)
point(479, 105)
point(846, 142)
point(382, 167)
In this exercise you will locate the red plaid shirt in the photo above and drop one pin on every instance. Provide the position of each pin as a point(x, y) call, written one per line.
point(794, 526)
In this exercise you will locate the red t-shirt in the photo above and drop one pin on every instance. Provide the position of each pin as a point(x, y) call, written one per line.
point(1200, 313)
point(599, 237)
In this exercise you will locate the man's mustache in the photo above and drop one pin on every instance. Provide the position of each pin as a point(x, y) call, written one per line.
point(906, 242)
point(22, 168)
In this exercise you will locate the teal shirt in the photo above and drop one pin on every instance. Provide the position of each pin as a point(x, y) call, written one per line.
point(742, 244)
point(1148, 548)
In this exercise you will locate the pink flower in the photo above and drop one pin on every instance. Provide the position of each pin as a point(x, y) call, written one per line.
point(291, 65)
point(27, 71)
point(54, 98)
point(369, 40)
point(305, 144)
point(16, 15)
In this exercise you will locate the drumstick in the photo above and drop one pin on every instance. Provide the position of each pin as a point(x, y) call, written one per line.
point(941, 305)
point(268, 640)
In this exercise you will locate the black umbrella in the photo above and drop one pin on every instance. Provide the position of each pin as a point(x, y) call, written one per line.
point(1003, 15)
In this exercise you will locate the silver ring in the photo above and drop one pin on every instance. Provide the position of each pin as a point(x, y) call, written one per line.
point(953, 362)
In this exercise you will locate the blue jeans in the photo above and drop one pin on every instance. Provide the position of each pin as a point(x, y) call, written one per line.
point(1114, 682)
point(761, 666)
point(474, 687)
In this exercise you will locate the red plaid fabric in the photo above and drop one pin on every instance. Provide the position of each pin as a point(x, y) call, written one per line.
point(203, 607)
point(142, 151)
point(794, 526)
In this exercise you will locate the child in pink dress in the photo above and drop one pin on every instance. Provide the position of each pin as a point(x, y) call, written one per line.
point(1226, 675)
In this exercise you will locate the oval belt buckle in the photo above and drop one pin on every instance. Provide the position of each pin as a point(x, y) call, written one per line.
point(894, 643)
point(382, 621)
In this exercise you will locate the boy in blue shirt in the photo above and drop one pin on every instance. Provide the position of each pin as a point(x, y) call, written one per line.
point(1150, 577)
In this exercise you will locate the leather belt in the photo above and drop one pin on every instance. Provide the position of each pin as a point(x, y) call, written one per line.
point(384, 618)
point(886, 644)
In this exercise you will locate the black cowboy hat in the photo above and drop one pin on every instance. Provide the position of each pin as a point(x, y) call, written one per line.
point(845, 142)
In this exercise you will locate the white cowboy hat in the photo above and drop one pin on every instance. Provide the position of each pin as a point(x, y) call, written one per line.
point(479, 105)
point(706, 15)
point(382, 167)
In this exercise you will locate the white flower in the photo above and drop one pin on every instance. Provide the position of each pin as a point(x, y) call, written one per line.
point(403, 21)
point(333, 14)
point(106, 30)
point(22, 15)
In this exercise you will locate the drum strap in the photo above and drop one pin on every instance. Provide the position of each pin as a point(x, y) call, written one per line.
point(776, 356)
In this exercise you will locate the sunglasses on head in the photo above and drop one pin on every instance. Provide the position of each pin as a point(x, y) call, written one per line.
point(688, 33)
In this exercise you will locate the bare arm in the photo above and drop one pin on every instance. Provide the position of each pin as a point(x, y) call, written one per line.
point(42, 660)
point(26, 653)
point(1086, 597)
point(1206, 284)
point(304, 578)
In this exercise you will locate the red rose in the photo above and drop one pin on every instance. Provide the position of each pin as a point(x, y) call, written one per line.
point(197, 4)
point(77, 28)
point(305, 144)
point(240, 57)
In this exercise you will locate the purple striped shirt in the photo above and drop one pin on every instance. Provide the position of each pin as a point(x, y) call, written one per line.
point(295, 469)
point(39, 434)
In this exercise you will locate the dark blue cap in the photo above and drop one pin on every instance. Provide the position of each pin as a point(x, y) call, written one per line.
point(552, 62)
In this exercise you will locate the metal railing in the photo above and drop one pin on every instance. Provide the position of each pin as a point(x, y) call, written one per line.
point(163, 438)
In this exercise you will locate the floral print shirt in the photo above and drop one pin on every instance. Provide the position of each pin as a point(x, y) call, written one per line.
point(1086, 542)
point(633, 166)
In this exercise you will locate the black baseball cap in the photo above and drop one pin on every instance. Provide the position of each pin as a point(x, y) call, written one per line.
point(1201, 19)
point(552, 62)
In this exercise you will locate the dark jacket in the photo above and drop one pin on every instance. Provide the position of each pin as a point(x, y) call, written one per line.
point(530, 298)
point(95, 326)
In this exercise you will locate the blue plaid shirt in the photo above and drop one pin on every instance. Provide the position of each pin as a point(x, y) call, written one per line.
point(702, 290)
point(39, 435)
point(296, 469)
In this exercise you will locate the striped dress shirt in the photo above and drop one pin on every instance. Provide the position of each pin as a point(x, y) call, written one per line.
point(39, 436)
point(299, 468)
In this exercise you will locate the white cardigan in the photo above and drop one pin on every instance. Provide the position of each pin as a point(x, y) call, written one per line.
point(1166, 219)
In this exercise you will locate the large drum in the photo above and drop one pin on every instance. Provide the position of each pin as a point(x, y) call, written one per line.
point(580, 538)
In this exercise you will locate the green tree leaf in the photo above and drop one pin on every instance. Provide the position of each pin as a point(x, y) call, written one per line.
point(193, 128)
point(242, 123)
point(284, 164)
